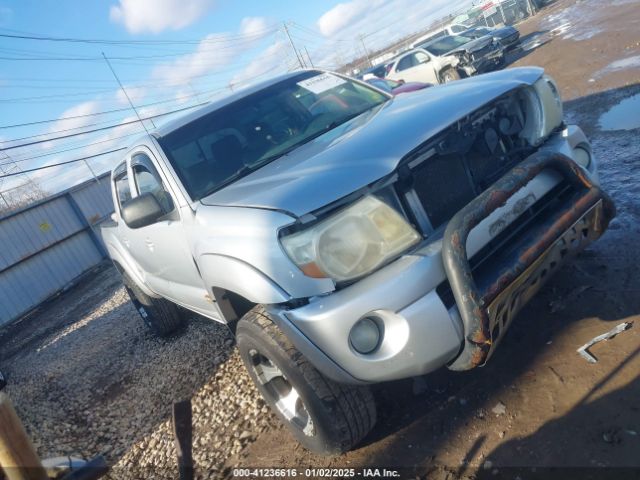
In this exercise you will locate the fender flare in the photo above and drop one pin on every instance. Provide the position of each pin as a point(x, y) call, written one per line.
point(235, 275)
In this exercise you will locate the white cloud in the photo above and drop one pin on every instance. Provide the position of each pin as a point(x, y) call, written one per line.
point(254, 26)
point(208, 59)
point(205, 59)
point(343, 14)
point(157, 15)
point(80, 110)
point(266, 62)
point(135, 94)
point(379, 22)
point(84, 111)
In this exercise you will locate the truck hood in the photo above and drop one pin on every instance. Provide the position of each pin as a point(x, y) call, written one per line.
point(366, 148)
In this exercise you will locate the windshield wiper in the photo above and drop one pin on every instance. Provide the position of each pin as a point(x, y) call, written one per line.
point(323, 130)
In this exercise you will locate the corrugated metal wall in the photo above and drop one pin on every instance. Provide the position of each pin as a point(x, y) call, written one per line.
point(45, 246)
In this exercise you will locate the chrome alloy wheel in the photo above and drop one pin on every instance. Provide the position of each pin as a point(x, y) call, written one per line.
point(281, 393)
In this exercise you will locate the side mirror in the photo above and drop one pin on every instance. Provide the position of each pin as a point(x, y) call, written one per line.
point(142, 211)
point(401, 81)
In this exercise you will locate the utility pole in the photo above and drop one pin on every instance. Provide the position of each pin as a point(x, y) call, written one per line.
point(366, 52)
point(91, 170)
point(127, 95)
point(286, 30)
point(309, 57)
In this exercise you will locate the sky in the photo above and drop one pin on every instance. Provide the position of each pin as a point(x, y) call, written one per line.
point(169, 55)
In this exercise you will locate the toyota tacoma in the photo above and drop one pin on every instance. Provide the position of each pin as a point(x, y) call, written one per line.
point(349, 237)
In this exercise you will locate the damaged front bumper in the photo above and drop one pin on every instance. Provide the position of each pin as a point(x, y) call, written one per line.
point(488, 305)
point(484, 64)
point(423, 327)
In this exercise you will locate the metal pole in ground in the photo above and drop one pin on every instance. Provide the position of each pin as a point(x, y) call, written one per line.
point(295, 50)
point(18, 457)
point(501, 8)
point(531, 7)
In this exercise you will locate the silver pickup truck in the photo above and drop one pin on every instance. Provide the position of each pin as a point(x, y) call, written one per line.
point(349, 237)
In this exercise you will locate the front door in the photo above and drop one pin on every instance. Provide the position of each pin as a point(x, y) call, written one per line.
point(161, 249)
point(423, 69)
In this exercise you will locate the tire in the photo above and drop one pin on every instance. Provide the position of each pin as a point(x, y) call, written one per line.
point(449, 75)
point(161, 316)
point(324, 416)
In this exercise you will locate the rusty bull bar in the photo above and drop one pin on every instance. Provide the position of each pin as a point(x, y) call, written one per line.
point(473, 304)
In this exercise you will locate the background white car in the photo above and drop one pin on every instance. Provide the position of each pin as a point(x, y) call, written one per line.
point(418, 65)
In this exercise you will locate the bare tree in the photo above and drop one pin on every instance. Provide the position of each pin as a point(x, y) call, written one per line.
point(20, 195)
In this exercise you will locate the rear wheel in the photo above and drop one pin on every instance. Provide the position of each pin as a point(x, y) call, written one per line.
point(449, 75)
point(324, 416)
point(161, 316)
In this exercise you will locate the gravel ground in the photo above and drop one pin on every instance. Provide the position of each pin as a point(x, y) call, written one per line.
point(87, 378)
point(97, 382)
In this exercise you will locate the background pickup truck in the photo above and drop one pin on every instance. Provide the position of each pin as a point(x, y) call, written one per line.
point(351, 237)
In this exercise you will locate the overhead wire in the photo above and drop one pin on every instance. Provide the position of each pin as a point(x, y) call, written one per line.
point(87, 115)
point(211, 39)
point(15, 160)
point(22, 172)
point(85, 132)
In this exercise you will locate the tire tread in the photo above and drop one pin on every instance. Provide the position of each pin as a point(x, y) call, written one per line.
point(353, 406)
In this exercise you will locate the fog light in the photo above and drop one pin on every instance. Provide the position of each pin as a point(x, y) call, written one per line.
point(365, 335)
point(582, 157)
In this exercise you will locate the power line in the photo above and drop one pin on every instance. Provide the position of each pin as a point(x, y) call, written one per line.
point(146, 85)
point(233, 44)
point(62, 163)
point(28, 36)
point(15, 160)
point(36, 142)
point(171, 100)
point(117, 125)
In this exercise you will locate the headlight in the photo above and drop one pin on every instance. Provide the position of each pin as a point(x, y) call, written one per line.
point(545, 110)
point(351, 243)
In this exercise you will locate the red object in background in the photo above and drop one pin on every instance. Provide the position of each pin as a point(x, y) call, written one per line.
point(394, 87)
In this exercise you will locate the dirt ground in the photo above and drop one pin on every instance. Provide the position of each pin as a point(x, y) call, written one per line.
point(560, 411)
point(87, 378)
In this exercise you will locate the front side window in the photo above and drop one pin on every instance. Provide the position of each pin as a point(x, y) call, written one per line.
point(231, 142)
point(148, 180)
point(122, 188)
point(422, 57)
point(405, 63)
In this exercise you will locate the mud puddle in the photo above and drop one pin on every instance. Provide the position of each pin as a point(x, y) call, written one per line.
point(623, 116)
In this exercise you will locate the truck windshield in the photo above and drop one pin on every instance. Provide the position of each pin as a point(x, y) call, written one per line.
point(445, 44)
point(231, 142)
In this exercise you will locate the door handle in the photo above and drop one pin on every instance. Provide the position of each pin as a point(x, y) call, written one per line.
point(150, 245)
point(126, 242)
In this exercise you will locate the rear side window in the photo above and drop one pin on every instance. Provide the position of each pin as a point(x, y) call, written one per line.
point(122, 188)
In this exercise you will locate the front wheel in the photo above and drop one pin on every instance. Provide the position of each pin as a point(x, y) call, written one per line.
point(449, 75)
point(324, 416)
